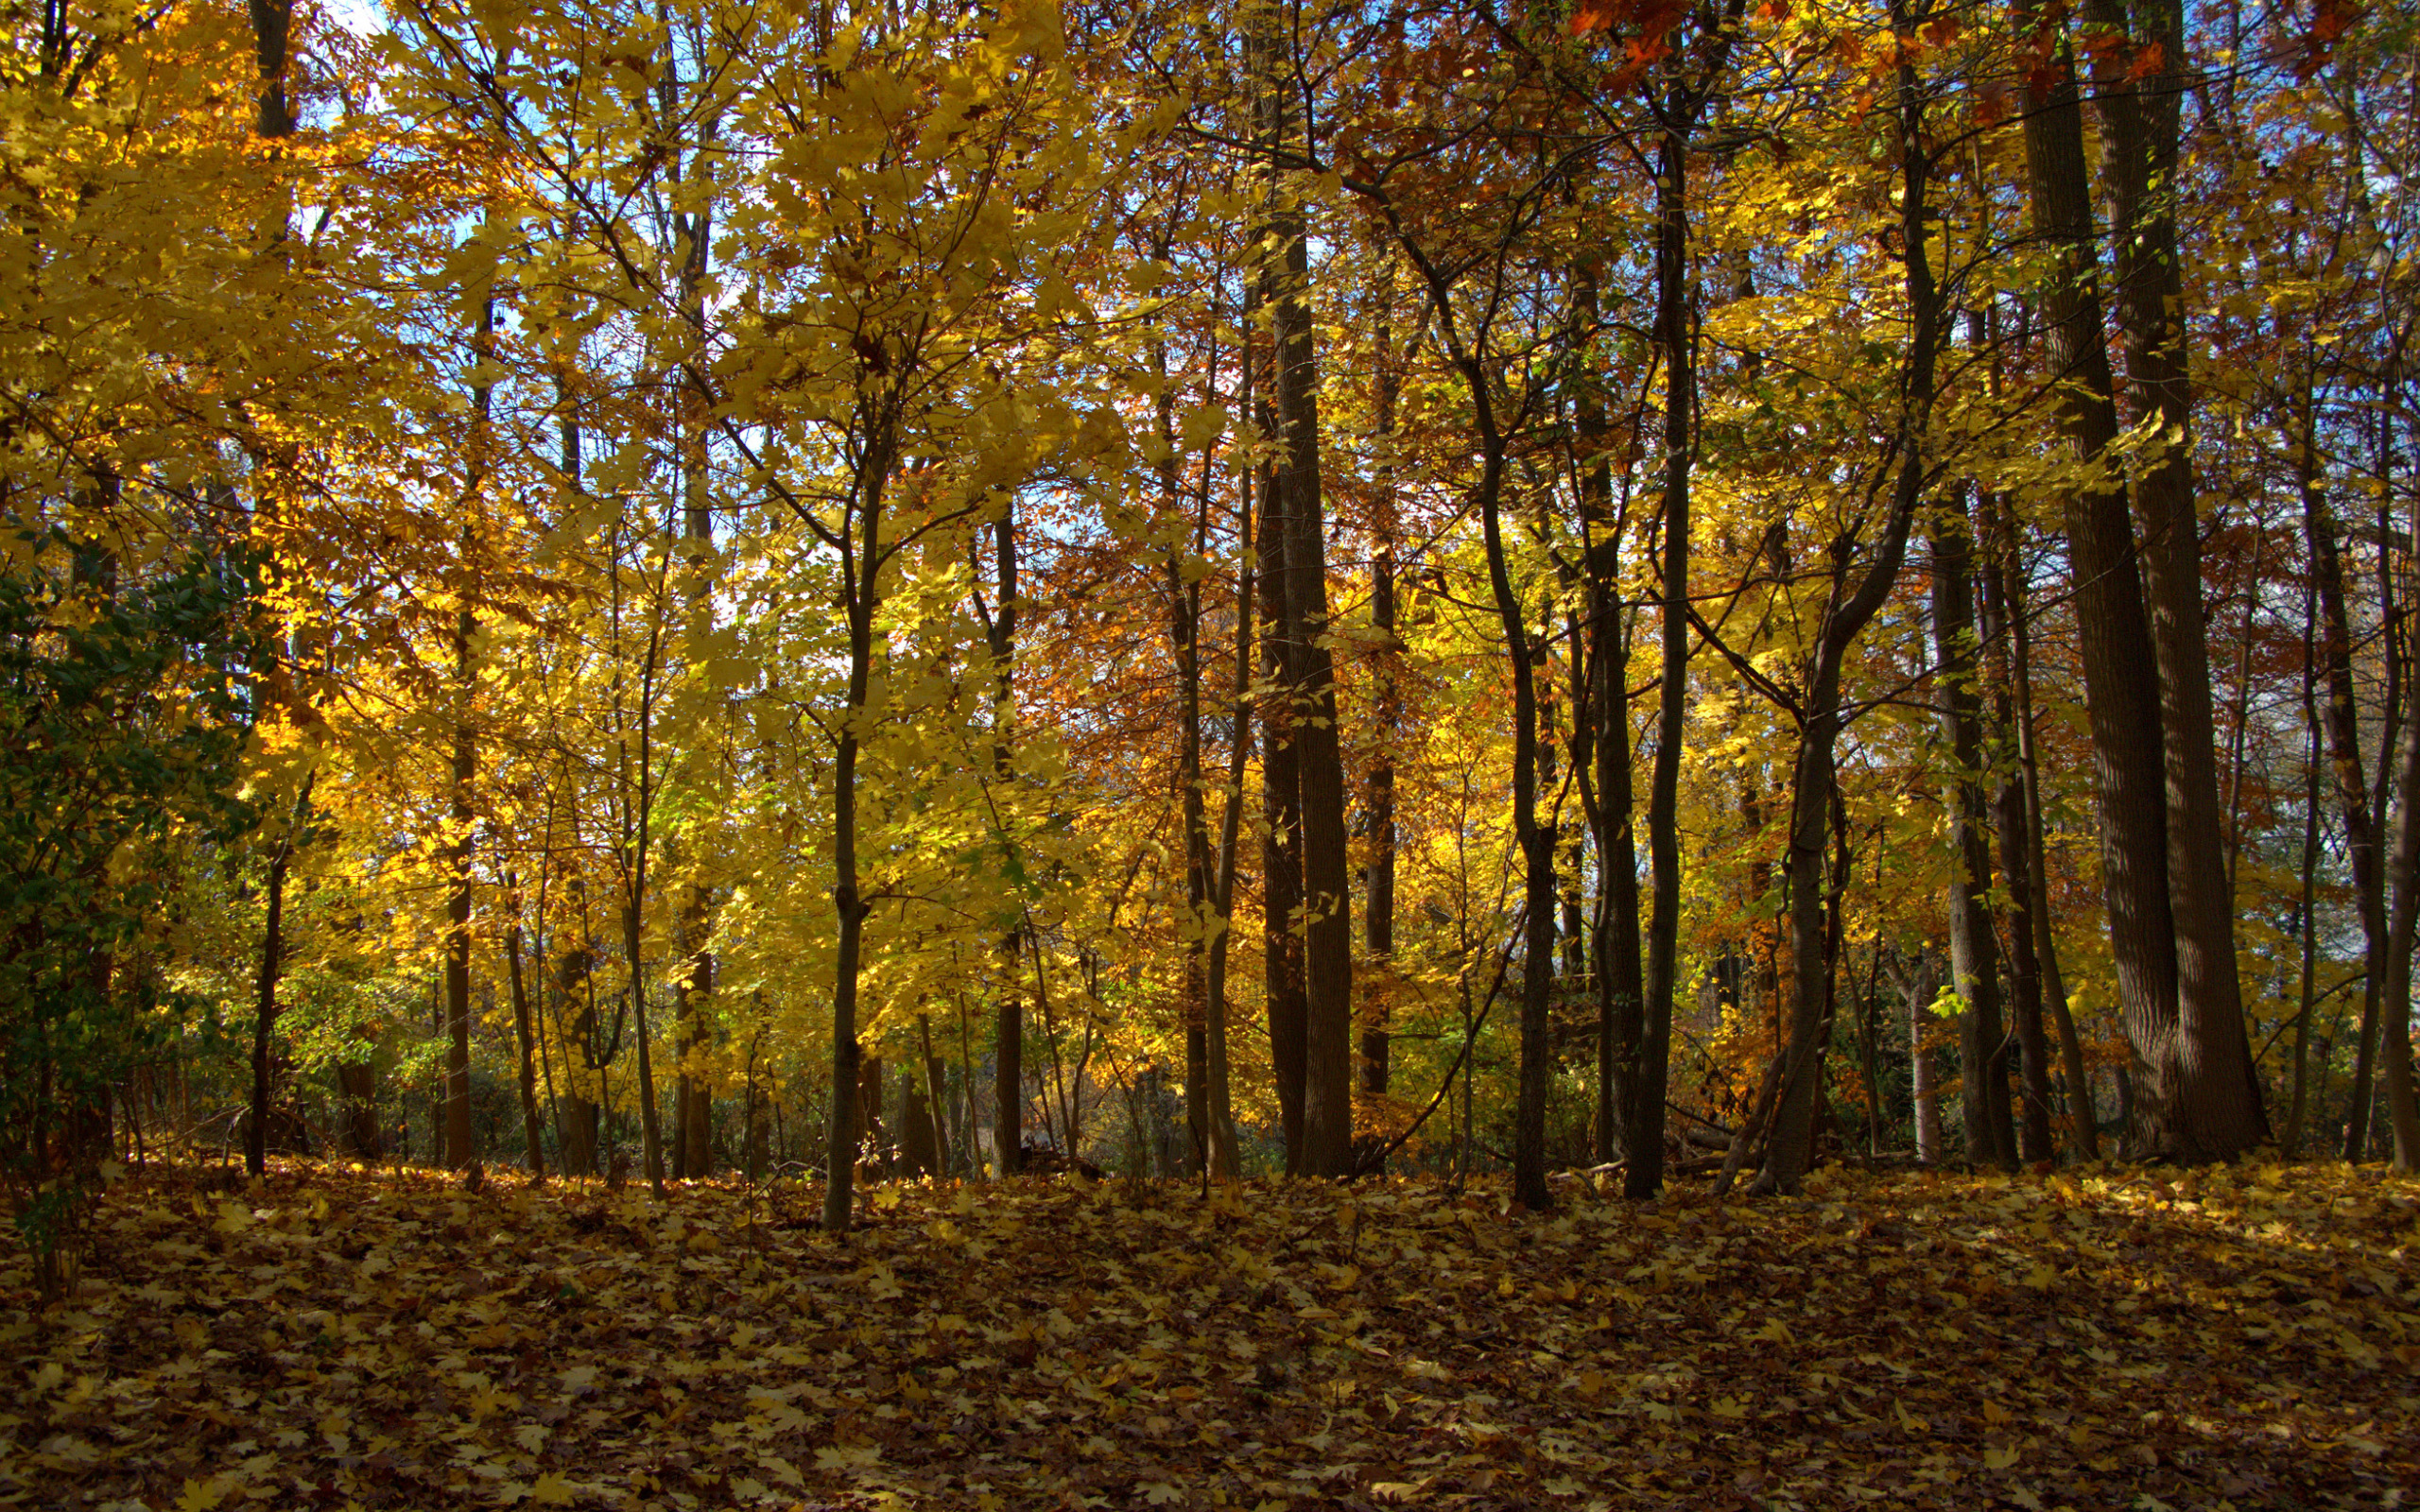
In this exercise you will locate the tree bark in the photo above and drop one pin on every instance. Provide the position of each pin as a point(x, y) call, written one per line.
point(1642, 1113)
point(2219, 1104)
point(2016, 869)
point(1282, 831)
point(1974, 957)
point(524, 1037)
point(2081, 1117)
point(1008, 1076)
point(2113, 627)
point(1325, 901)
point(458, 1152)
point(861, 570)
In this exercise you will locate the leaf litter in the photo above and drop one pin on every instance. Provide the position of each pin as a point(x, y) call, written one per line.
point(2240, 1337)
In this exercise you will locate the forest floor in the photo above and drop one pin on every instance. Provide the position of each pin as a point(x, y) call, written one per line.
point(2128, 1338)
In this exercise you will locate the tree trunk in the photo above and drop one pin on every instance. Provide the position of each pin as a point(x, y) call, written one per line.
point(1008, 1078)
point(525, 1036)
point(2016, 871)
point(265, 1004)
point(1281, 845)
point(1226, 1161)
point(1973, 956)
point(2112, 628)
point(2218, 1106)
point(2306, 926)
point(2340, 716)
point(1602, 752)
point(691, 1098)
point(457, 914)
point(1642, 1111)
point(862, 576)
point(1918, 986)
point(2403, 927)
point(1378, 895)
point(2080, 1116)
point(1791, 1147)
point(1301, 581)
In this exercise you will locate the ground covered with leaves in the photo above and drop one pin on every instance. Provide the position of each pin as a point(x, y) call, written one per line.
point(2243, 1336)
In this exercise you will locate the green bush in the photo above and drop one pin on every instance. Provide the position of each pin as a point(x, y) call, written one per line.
point(121, 726)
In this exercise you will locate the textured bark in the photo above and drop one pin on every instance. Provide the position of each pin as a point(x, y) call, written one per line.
point(1326, 903)
point(2113, 627)
point(2217, 1111)
point(1281, 845)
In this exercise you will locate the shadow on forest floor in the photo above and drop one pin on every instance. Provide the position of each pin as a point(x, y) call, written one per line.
point(2134, 1339)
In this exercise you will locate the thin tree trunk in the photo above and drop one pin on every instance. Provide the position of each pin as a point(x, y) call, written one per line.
point(524, 1035)
point(458, 1152)
point(1603, 722)
point(2340, 716)
point(1008, 1078)
point(1974, 956)
point(1379, 917)
point(2403, 884)
point(1790, 1149)
point(265, 988)
point(1917, 990)
point(1281, 845)
point(862, 577)
point(2037, 872)
point(1642, 1113)
point(2307, 928)
point(2008, 822)
point(1226, 1161)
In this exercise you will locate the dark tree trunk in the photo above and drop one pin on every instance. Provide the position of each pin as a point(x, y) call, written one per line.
point(526, 1040)
point(2112, 628)
point(2340, 716)
point(1280, 848)
point(1008, 1078)
point(1973, 956)
point(2016, 868)
point(2217, 1112)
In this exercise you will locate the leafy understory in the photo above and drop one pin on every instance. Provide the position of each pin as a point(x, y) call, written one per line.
point(2240, 1336)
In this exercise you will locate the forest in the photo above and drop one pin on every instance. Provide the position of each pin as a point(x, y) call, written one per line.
point(751, 673)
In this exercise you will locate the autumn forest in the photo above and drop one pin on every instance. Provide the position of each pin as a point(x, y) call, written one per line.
point(1049, 754)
